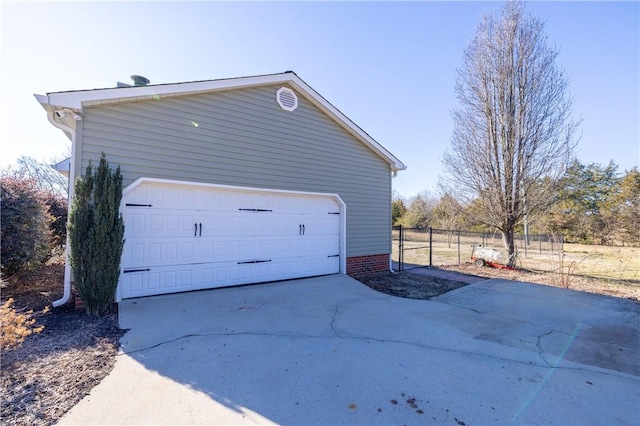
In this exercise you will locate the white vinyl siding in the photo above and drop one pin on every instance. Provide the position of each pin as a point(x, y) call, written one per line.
point(242, 137)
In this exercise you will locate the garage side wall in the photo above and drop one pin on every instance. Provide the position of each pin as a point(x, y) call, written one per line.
point(242, 137)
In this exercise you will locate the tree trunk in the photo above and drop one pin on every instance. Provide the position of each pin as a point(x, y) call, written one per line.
point(510, 245)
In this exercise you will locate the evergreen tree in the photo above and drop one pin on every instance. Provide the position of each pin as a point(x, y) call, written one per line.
point(96, 234)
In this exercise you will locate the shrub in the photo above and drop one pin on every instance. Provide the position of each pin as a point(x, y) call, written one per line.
point(96, 236)
point(15, 327)
point(26, 237)
point(58, 210)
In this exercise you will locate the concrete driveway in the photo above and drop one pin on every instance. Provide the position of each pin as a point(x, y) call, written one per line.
point(329, 350)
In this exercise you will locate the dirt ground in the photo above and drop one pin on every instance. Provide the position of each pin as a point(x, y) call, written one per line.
point(411, 286)
point(45, 377)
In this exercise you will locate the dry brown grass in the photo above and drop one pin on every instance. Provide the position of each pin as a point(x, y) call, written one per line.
point(612, 271)
point(617, 288)
point(15, 326)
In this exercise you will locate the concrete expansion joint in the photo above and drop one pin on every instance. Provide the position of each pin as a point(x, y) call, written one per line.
point(460, 306)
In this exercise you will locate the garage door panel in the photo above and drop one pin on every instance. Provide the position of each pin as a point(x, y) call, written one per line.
point(139, 252)
point(181, 237)
point(174, 279)
point(164, 223)
point(218, 199)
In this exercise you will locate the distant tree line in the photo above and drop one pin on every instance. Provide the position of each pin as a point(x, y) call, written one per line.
point(593, 204)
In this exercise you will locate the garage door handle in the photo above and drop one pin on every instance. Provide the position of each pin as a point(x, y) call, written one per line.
point(200, 229)
point(299, 229)
point(195, 230)
point(302, 229)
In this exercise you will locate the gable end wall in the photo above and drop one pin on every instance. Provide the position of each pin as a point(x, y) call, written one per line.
point(242, 137)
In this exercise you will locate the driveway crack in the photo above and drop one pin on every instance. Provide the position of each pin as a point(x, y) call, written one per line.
point(545, 363)
point(541, 350)
point(334, 318)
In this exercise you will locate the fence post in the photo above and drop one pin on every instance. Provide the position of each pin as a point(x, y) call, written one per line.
point(430, 245)
point(458, 246)
point(540, 243)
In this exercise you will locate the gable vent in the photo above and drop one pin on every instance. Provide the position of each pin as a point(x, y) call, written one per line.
point(287, 99)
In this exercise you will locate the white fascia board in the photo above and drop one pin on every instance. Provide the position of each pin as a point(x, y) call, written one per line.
point(78, 99)
point(43, 99)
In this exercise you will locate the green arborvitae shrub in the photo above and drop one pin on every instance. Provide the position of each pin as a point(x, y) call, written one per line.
point(96, 236)
point(25, 221)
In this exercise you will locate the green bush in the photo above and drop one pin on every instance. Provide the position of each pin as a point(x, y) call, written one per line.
point(25, 221)
point(96, 236)
point(59, 215)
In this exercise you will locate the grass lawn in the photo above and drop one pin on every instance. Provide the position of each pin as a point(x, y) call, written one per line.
point(603, 262)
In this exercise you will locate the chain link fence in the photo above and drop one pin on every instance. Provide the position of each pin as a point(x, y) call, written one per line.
point(418, 248)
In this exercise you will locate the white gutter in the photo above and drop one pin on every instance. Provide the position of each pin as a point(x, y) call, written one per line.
point(63, 113)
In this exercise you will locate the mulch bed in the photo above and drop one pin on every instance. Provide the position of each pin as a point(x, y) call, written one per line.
point(410, 286)
point(45, 377)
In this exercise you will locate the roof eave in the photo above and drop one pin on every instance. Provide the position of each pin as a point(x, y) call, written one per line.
point(77, 100)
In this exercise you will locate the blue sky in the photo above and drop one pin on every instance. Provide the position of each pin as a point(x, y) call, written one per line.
point(389, 66)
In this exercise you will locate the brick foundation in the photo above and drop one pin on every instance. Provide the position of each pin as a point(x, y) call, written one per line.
point(366, 265)
point(79, 303)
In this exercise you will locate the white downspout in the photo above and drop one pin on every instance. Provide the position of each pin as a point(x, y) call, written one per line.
point(72, 175)
point(394, 173)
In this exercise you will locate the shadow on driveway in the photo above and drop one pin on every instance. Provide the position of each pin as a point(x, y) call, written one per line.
point(329, 350)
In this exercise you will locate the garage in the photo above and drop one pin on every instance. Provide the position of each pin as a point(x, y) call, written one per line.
point(232, 181)
point(182, 236)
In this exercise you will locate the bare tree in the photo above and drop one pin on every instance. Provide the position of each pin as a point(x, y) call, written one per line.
point(513, 135)
point(419, 213)
point(47, 179)
point(448, 215)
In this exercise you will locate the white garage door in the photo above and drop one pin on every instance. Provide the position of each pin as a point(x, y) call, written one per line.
point(182, 237)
